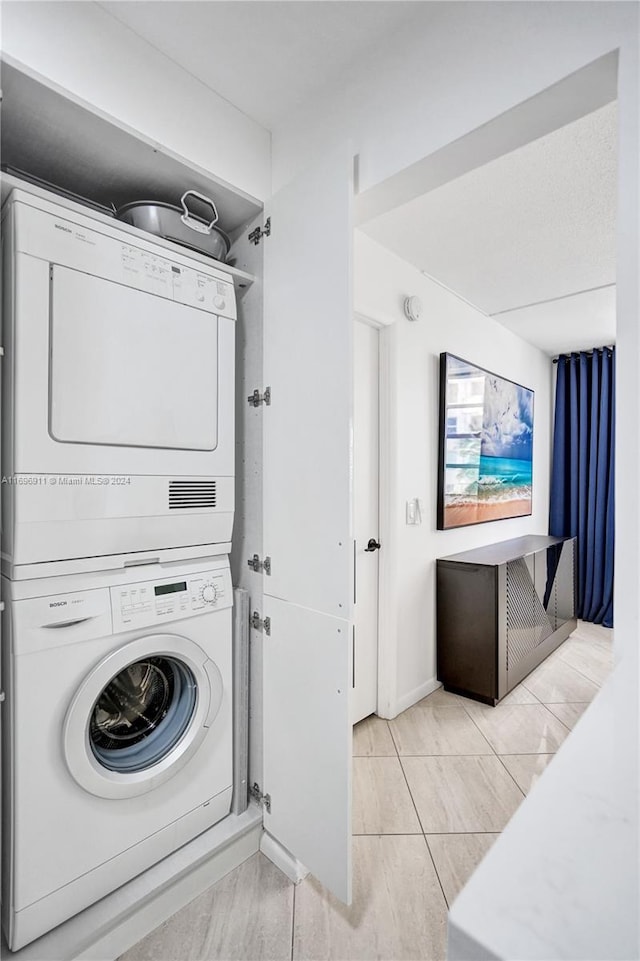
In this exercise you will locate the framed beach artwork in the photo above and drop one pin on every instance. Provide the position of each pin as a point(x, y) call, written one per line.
point(486, 446)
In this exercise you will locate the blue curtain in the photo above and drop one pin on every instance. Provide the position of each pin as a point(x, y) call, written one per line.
point(582, 476)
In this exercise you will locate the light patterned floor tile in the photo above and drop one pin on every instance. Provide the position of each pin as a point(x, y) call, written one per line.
point(372, 738)
point(398, 910)
point(519, 695)
point(442, 698)
point(381, 800)
point(526, 768)
point(593, 659)
point(248, 914)
point(594, 632)
point(434, 729)
point(556, 681)
point(461, 794)
point(568, 713)
point(456, 856)
point(520, 728)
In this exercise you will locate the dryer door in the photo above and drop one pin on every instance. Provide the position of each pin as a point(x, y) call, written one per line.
point(140, 715)
point(145, 367)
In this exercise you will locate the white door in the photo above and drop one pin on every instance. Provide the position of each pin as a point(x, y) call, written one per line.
point(308, 363)
point(365, 520)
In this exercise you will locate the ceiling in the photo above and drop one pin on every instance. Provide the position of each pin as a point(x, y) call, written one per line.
point(528, 238)
point(520, 236)
point(265, 57)
point(571, 323)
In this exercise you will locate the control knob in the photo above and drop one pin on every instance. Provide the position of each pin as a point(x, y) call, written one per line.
point(209, 594)
point(219, 302)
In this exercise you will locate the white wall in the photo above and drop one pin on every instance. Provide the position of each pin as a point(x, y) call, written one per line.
point(382, 281)
point(85, 51)
point(469, 63)
point(454, 68)
point(451, 69)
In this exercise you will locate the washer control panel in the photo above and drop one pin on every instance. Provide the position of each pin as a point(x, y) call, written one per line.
point(148, 603)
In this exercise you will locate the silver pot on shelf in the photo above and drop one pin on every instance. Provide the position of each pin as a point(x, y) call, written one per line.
point(179, 224)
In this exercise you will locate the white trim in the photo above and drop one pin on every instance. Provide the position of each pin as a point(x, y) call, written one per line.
point(138, 560)
point(387, 497)
point(412, 697)
point(570, 98)
point(389, 704)
point(105, 930)
point(368, 321)
point(387, 491)
point(283, 859)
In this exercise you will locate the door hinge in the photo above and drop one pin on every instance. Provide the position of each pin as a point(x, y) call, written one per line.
point(260, 625)
point(257, 565)
point(256, 235)
point(2, 696)
point(257, 398)
point(263, 799)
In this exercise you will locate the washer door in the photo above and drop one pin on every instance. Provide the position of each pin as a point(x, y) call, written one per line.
point(140, 715)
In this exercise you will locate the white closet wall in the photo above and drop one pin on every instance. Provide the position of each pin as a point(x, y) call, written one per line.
point(85, 51)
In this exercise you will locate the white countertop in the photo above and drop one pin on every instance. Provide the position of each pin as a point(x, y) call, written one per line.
point(562, 880)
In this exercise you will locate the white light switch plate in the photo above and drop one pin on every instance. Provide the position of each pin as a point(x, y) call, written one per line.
point(415, 508)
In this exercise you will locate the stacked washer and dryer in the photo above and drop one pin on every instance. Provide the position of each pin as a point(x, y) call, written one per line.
point(118, 499)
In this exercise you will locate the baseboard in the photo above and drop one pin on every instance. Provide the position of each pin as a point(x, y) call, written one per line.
point(288, 864)
point(412, 697)
point(105, 930)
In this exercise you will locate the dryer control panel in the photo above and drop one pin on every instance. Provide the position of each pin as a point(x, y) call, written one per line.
point(69, 239)
point(157, 275)
point(146, 603)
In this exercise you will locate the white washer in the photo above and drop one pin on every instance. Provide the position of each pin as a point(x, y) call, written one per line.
point(118, 731)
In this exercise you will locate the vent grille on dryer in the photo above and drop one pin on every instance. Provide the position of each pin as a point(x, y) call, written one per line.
point(192, 494)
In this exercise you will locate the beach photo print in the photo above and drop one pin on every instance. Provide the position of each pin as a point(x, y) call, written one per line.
point(486, 446)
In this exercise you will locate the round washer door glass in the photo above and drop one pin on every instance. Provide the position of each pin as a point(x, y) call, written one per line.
point(142, 713)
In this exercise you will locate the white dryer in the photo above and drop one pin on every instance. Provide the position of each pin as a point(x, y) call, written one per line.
point(117, 731)
point(119, 390)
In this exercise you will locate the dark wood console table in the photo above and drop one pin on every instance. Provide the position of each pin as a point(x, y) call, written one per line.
point(501, 610)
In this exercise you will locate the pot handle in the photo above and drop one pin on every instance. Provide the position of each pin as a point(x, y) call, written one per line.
point(190, 221)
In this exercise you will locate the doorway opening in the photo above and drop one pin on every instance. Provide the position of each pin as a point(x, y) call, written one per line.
point(508, 238)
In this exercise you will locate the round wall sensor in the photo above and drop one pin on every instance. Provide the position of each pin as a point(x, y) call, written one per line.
point(413, 308)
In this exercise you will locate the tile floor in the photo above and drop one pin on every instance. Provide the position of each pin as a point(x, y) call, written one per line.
point(432, 789)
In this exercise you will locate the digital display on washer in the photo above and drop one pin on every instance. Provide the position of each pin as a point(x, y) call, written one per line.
point(170, 588)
